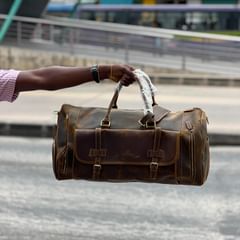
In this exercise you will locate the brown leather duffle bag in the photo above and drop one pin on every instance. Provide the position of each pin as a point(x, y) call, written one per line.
point(117, 145)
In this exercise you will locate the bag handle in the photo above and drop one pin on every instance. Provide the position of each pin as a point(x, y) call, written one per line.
point(150, 85)
point(147, 120)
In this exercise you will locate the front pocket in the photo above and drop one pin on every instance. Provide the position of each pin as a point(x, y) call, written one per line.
point(128, 153)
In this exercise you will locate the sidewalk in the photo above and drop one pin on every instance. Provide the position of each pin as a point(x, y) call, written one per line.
point(33, 113)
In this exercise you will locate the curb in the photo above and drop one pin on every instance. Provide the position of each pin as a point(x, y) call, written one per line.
point(26, 130)
point(46, 131)
point(193, 79)
point(224, 139)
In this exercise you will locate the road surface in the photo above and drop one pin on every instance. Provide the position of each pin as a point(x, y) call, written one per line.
point(34, 206)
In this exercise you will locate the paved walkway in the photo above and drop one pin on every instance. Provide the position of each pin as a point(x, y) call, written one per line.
point(221, 104)
point(37, 207)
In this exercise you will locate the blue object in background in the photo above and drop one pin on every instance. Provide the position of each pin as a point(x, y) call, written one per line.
point(56, 7)
point(116, 2)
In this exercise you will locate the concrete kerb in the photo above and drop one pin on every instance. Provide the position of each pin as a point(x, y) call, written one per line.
point(195, 79)
point(26, 130)
point(46, 131)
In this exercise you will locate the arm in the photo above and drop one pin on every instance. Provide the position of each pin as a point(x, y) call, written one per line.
point(54, 78)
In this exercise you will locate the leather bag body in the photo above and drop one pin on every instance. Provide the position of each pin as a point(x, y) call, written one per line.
point(173, 150)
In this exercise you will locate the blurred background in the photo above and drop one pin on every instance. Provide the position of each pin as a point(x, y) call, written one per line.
point(189, 48)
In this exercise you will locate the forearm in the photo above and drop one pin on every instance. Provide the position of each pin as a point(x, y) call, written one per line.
point(53, 78)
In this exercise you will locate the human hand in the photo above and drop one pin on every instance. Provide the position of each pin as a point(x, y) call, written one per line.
point(122, 73)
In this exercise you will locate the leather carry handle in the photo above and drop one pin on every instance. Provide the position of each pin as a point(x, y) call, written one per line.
point(105, 123)
point(147, 121)
point(114, 105)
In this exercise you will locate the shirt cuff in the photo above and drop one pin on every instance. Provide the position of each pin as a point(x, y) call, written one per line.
point(9, 79)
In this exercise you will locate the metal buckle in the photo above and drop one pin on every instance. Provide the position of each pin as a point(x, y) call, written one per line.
point(105, 123)
point(154, 166)
point(97, 167)
point(141, 124)
point(150, 125)
point(153, 170)
point(96, 171)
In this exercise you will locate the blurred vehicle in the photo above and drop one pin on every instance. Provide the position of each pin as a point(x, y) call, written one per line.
point(197, 17)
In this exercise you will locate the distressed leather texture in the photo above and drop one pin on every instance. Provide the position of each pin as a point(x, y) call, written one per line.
point(174, 151)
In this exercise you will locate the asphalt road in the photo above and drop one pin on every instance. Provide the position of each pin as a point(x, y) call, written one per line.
point(33, 205)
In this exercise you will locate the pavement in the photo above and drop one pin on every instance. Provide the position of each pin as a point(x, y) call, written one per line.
point(33, 114)
point(34, 206)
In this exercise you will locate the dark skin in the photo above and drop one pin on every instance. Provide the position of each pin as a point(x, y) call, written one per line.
point(58, 77)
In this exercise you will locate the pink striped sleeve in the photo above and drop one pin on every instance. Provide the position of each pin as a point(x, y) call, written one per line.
point(7, 85)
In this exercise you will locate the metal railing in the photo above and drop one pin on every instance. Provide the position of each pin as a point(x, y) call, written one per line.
point(131, 44)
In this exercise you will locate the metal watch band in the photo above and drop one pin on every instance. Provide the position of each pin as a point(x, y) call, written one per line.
point(95, 73)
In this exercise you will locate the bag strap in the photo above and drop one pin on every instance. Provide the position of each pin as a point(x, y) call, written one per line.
point(156, 154)
point(148, 120)
point(98, 153)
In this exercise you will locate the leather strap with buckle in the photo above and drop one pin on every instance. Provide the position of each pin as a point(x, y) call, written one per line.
point(97, 153)
point(156, 154)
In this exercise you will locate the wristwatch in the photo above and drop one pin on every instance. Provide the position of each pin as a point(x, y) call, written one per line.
point(95, 73)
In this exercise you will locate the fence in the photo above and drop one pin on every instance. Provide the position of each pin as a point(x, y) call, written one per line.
point(132, 44)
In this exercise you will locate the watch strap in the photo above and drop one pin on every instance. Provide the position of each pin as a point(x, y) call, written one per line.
point(95, 73)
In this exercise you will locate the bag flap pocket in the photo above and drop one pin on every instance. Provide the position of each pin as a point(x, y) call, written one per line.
point(125, 147)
